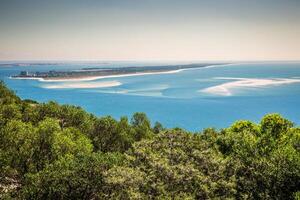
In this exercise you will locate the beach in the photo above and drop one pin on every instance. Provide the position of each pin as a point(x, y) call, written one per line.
point(91, 78)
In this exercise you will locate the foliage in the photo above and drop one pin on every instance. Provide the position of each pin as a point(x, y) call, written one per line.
point(174, 164)
point(71, 177)
point(52, 151)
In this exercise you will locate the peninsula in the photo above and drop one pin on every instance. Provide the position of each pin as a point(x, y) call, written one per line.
point(89, 72)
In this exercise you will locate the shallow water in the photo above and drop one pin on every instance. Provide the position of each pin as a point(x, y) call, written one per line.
point(192, 99)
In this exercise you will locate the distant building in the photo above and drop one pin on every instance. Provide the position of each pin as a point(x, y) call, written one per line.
point(24, 73)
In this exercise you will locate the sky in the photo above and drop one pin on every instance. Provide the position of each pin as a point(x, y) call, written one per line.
point(150, 30)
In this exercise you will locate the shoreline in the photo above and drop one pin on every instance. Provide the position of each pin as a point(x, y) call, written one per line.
point(92, 78)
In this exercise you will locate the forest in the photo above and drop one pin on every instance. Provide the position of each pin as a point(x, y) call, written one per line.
point(53, 151)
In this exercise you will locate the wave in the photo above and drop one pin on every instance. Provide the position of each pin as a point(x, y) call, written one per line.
point(227, 89)
point(84, 85)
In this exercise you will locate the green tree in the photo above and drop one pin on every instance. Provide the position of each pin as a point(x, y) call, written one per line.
point(9, 112)
point(46, 130)
point(72, 177)
point(17, 146)
point(7, 96)
point(158, 127)
point(173, 164)
point(71, 116)
point(70, 141)
point(142, 126)
point(48, 110)
point(264, 157)
point(111, 135)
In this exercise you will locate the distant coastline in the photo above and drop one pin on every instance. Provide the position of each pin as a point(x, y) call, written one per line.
point(93, 73)
point(91, 78)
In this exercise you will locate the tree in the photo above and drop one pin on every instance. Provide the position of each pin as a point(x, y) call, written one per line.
point(173, 164)
point(9, 112)
point(71, 177)
point(48, 110)
point(46, 131)
point(264, 157)
point(142, 126)
point(17, 145)
point(111, 135)
point(7, 96)
point(140, 120)
point(71, 116)
point(70, 141)
point(158, 127)
point(275, 125)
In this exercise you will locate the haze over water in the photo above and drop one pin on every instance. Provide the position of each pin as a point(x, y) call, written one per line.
point(193, 99)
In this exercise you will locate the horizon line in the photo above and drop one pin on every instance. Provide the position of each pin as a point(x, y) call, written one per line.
point(140, 60)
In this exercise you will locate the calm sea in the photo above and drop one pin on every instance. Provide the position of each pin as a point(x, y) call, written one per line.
point(193, 99)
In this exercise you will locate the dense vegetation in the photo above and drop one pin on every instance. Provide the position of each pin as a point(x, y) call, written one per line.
point(52, 151)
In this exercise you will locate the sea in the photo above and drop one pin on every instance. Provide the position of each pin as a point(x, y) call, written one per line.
point(192, 99)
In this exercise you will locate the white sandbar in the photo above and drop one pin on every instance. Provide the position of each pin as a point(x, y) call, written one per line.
point(226, 89)
point(84, 85)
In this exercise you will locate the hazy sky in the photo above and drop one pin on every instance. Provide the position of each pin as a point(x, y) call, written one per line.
point(150, 29)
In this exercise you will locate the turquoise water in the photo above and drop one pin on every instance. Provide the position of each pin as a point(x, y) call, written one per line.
point(192, 99)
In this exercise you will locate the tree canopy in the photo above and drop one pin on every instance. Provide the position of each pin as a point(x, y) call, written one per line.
point(53, 151)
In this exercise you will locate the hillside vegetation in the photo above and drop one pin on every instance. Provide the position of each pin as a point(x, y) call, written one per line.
point(52, 151)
